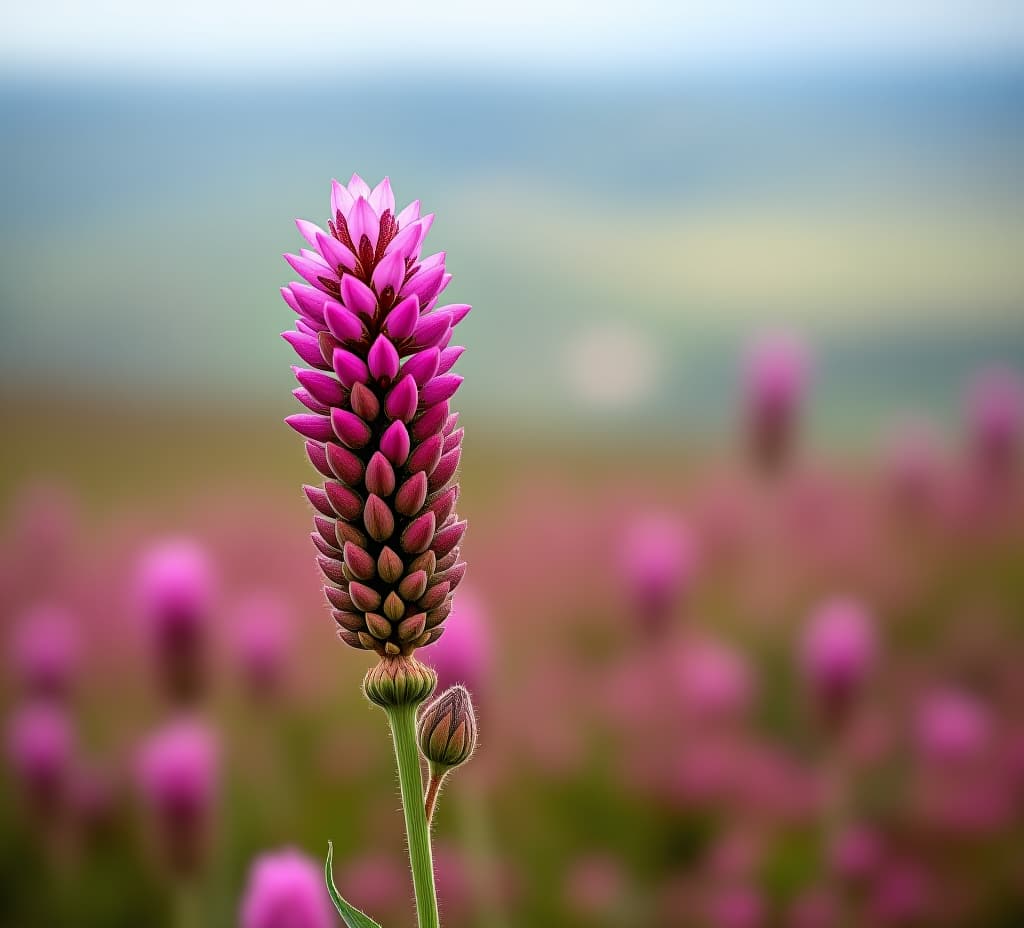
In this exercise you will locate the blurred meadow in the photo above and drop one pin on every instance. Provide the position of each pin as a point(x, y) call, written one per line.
point(744, 412)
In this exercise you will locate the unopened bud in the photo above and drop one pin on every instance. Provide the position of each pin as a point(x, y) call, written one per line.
point(399, 681)
point(447, 729)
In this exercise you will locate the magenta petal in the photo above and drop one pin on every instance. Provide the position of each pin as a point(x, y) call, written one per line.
point(403, 399)
point(350, 429)
point(430, 330)
point(408, 241)
point(395, 443)
point(422, 366)
point(317, 454)
point(448, 538)
point(342, 323)
point(311, 271)
point(323, 386)
point(310, 402)
point(306, 347)
point(457, 312)
point(426, 455)
point(350, 368)
point(410, 214)
point(334, 253)
point(430, 422)
point(402, 319)
point(448, 358)
point(362, 220)
point(445, 469)
point(310, 425)
point(423, 284)
point(440, 388)
point(357, 297)
point(289, 298)
point(310, 300)
point(383, 359)
point(389, 273)
point(358, 187)
point(308, 230)
point(382, 198)
point(341, 200)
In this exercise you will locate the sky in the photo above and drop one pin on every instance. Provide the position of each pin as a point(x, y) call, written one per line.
point(231, 36)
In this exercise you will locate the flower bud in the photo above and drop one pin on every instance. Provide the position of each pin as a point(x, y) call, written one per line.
point(399, 681)
point(447, 729)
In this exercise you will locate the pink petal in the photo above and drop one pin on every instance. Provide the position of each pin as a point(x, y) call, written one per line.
point(383, 359)
point(357, 296)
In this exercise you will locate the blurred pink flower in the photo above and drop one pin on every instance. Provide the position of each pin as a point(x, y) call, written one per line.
point(995, 412)
point(41, 752)
point(46, 651)
point(178, 777)
point(263, 639)
point(595, 885)
point(838, 651)
point(952, 727)
point(776, 374)
point(735, 906)
point(855, 853)
point(175, 591)
point(657, 561)
point(713, 681)
point(286, 890)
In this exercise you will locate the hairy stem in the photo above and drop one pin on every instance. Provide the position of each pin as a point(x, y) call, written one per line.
point(403, 732)
point(433, 789)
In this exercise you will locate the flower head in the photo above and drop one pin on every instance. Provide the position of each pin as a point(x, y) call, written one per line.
point(658, 561)
point(995, 410)
point(286, 890)
point(378, 425)
point(262, 642)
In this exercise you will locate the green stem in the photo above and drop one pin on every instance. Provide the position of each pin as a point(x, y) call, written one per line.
point(403, 731)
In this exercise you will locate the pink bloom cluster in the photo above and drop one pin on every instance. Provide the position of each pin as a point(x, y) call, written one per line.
point(379, 427)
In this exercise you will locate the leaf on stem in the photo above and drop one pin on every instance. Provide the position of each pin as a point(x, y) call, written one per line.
point(349, 913)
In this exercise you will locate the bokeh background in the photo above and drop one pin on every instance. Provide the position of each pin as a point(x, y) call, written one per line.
point(743, 407)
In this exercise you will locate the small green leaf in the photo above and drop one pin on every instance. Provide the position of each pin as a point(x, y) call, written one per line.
point(349, 913)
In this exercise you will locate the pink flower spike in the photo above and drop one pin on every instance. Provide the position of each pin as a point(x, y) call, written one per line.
point(357, 297)
point(363, 221)
point(389, 274)
point(341, 200)
point(334, 253)
point(381, 198)
point(383, 359)
point(342, 323)
point(395, 443)
point(402, 319)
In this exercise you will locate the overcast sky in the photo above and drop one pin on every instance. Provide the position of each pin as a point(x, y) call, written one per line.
point(190, 36)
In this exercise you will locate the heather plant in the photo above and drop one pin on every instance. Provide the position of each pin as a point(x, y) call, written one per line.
point(380, 431)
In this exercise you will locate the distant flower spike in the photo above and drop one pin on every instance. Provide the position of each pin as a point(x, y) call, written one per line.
point(377, 418)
